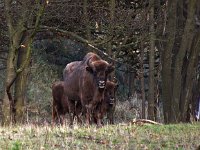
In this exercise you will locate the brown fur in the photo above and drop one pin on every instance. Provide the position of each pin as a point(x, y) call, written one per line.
point(107, 106)
point(70, 68)
point(82, 81)
point(60, 103)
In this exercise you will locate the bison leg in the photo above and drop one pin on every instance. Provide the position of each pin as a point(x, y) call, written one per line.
point(89, 108)
point(111, 118)
point(111, 115)
point(95, 120)
point(78, 112)
point(88, 113)
point(99, 120)
point(62, 119)
point(86, 109)
point(55, 114)
point(71, 107)
point(97, 116)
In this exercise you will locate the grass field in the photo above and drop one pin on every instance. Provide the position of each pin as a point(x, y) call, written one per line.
point(121, 136)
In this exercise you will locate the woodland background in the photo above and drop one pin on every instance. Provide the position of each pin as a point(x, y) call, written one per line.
point(155, 45)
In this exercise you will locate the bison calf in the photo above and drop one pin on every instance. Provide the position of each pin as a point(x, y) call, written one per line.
point(107, 106)
point(60, 103)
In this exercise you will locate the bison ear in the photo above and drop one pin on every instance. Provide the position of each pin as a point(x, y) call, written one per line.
point(116, 86)
point(110, 69)
point(89, 69)
point(116, 83)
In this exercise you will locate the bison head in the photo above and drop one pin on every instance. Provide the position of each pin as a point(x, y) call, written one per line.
point(110, 91)
point(100, 70)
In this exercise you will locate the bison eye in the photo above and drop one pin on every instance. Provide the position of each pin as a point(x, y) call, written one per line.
point(89, 69)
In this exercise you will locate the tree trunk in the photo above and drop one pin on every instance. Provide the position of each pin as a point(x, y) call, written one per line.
point(112, 13)
point(130, 83)
point(20, 84)
point(86, 21)
point(151, 100)
point(185, 44)
point(7, 104)
point(167, 60)
point(15, 33)
point(190, 76)
point(142, 80)
point(109, 45)
point(14, 37)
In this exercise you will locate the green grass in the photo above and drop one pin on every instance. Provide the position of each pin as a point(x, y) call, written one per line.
point(121, 136)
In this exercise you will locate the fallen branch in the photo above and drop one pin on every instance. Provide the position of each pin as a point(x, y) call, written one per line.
point(143, 121)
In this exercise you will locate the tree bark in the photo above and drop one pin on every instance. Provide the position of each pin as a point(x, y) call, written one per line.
point(142, 80)
point(109, 46)
point(14, 37)
point(86, 21)
point(185, 44)
point(151, 97)
point(15, 33)
point(167, 60)
point(7, 104)
point(112, 14)
point(21, 81)
point(190, 76)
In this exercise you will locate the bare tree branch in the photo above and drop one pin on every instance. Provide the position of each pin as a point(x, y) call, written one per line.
point(79, 38)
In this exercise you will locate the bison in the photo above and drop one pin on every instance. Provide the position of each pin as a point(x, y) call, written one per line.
point(85, 81)
point(70, 68)
point(60, 103)
point(107, 106)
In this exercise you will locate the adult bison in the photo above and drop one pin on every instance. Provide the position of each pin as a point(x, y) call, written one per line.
point(60, 103)
point(85, 81)
point(70, 68)
point(107, 106)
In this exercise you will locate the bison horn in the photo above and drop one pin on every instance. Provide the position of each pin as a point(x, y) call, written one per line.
point(111, 64)
point(90, 64)
point(110, 68)
point(115, 80)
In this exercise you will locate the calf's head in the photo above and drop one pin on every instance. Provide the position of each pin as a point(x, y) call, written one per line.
point(110, 91)
point(100, 70)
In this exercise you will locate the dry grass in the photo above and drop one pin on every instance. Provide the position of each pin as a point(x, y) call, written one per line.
point(120, 136)
point(125, 112)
